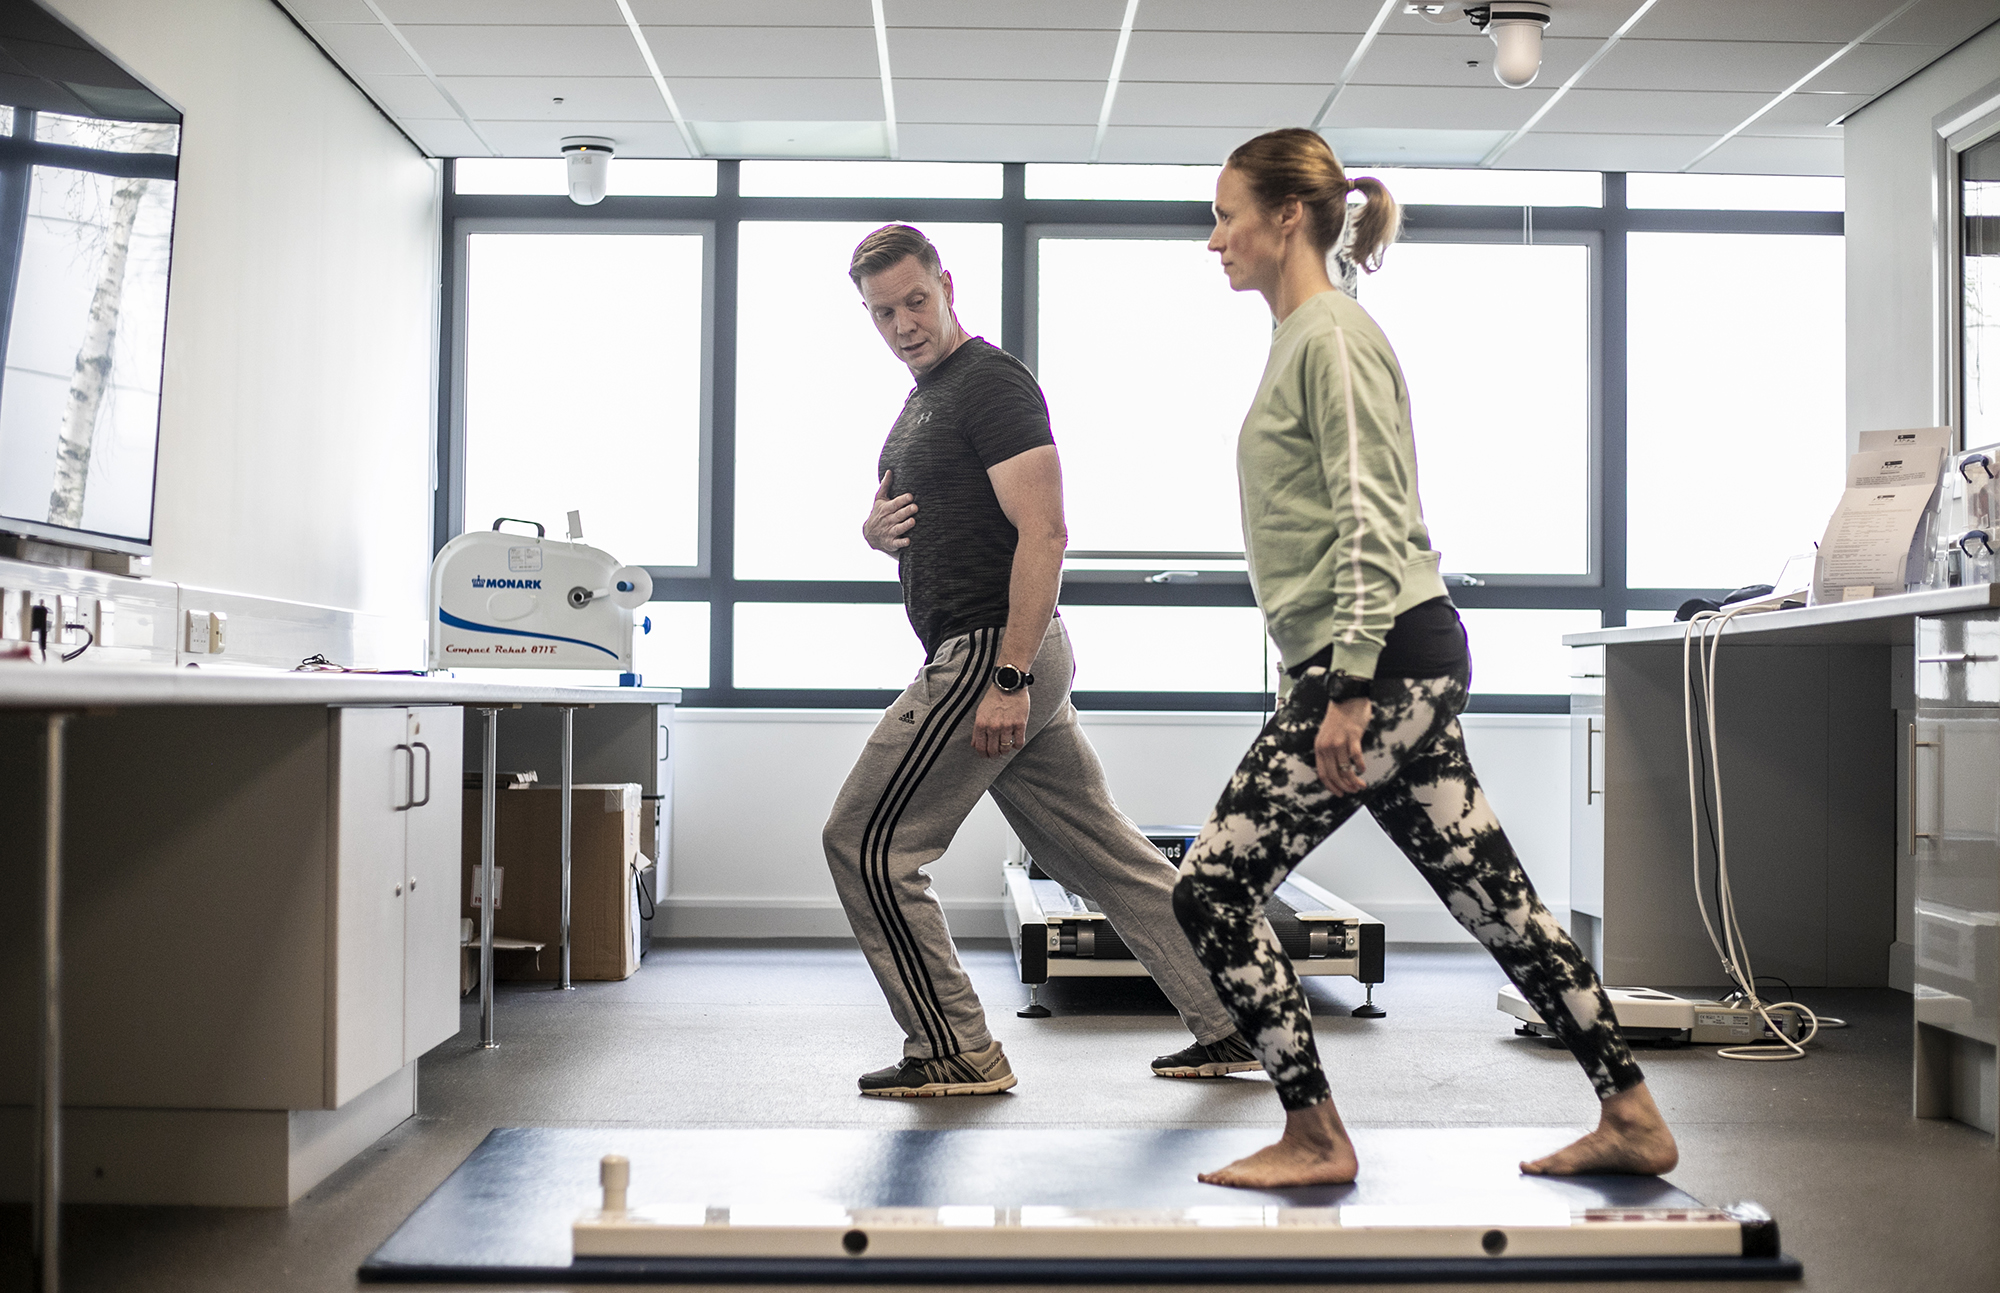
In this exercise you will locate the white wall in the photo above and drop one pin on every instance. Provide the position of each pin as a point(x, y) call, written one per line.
point(1892, 338)
point(295, 443)
point(753, 787)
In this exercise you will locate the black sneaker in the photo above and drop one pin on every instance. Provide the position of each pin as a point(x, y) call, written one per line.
point(1230, 1055)
point(981, 1072)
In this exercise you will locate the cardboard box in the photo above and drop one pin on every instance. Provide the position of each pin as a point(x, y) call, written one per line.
point(606, 863)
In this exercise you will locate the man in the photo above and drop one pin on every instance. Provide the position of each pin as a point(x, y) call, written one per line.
point(970, 505)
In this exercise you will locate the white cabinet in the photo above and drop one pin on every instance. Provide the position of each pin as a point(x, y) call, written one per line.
point(395, 900)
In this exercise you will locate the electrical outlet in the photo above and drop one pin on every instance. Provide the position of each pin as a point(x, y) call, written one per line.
point(218, 630)
point(197, 633)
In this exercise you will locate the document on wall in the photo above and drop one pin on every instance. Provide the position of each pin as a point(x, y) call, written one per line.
point(1874, 542)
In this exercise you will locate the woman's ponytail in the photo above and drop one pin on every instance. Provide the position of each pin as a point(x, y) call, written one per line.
point(1376, 224)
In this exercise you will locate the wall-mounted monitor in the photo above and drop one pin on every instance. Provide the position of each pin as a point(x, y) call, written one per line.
point(88, 164)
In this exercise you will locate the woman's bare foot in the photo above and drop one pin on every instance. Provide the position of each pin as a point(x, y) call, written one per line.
point(1314, 1150)
point(1631, 1139)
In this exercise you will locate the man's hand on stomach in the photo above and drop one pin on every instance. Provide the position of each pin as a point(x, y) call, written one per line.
point(887, 528)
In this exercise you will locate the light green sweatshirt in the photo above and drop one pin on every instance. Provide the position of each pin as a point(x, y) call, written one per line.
point(1327, 469)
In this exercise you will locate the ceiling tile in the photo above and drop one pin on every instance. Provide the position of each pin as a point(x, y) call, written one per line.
point(1180, 145)
point(544, 138)
point(1254, 107)
point(1650, 112)
point(1871, 69)
point(527, 51)
point(1807, 115)
point(990, 55)
point(328, 10)
point(1047, 15)
point(441, 137)
point(1755, 155)
point(752, 13)
point(1399, 107)
point(1297, 58)
point(1256, 15)
point(765, 51)
point(1439, 57)
point(999, 102)
point(1767, 66)
point(1838, 21)
point(1565, 152)
point(1371, 147)
point(977, 143)
point(1942, 22)
point(492, 13)
point(529, 98)
point(364, 49)
point(409, 98)
point(780, 98)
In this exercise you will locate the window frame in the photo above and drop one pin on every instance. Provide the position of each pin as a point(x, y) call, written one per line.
point(1603, 229)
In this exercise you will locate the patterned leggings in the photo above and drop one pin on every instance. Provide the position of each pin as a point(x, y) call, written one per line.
point(1422, 791)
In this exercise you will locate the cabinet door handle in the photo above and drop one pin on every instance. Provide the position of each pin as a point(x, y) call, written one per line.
point(1910, 786)
point(1591, 731)
point(409, 780)
point(1956, 657)
point(419, 803)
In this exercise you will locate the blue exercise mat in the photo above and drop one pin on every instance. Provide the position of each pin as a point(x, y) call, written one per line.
point(504, 1215)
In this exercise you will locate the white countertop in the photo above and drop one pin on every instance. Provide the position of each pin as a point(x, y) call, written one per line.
point(36, 686)
point(1879, 621)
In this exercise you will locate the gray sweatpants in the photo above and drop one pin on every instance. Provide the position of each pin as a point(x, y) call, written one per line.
point(914, 786)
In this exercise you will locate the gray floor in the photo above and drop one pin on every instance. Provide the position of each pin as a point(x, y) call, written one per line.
point(1868, 1198)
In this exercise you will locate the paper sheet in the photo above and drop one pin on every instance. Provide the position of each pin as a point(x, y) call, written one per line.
point(1874, 542)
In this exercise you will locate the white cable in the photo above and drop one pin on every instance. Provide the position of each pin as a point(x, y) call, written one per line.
point(1730, 946)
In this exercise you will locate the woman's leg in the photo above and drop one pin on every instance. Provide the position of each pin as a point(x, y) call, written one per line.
point(1436, 812)
point(1274, 812)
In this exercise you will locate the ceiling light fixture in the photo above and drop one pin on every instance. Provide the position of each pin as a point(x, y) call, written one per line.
point(1516, 27)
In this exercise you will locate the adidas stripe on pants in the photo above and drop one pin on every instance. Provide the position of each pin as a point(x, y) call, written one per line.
point(912, 788)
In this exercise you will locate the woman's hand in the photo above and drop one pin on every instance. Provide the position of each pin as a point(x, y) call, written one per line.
point(1337, 751)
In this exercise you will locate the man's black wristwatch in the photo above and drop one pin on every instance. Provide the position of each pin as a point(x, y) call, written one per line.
point(1009, 679)
point(1342, 686)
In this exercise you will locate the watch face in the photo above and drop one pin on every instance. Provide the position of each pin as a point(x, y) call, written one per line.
point(1007, 678)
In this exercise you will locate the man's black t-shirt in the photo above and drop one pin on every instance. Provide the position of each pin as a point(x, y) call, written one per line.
point(979, 407)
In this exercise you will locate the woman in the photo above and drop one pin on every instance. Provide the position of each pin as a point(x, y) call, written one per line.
point(1378, 670)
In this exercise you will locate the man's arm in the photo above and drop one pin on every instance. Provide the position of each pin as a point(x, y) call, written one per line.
point(1029, 487)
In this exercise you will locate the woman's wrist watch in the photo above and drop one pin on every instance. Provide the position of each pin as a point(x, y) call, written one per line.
point(1342, 686)
point(1009, 679)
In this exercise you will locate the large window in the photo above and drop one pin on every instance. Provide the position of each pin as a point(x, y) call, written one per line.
point(584, 370)
point(817, 390)
point(1737, 403)
point(1148, 362)
point(1595, 363)
point(1495, 342)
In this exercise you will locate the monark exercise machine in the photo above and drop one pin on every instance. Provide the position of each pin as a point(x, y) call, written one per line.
point(1057, 934)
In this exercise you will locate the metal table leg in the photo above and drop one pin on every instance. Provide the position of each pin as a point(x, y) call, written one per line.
point(486, 810)
point(48, 1092)
point(568, 780)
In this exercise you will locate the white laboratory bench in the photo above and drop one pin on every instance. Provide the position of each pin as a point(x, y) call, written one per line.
point(1861, 784)
point(259, 887)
